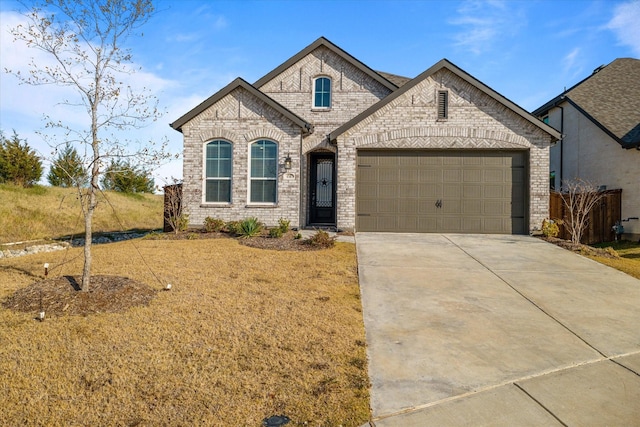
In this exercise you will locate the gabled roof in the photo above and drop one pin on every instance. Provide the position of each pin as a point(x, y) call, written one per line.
point(444, 63)
point(610, 98)
point(395, 79)
point(326, 43)
point(299, 121)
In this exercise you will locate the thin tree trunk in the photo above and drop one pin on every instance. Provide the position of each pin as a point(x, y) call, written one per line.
point(88, 218)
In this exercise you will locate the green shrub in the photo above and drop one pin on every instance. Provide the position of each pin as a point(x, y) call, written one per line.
point(283, 225)
point(250, 227)
point(298, 236)
point(232, 227)
point(19, 163)
point(125, 177)
point(275, 232)
point(213, 225)
point(68, 170)
point(182, 222)
point(321, 239)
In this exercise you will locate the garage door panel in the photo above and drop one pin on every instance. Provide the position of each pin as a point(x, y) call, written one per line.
point(495, 192)
point(496, 208)
point(451, 175)
point(408, 175)
point(387, 191)
point(427, 206)
point(442, 191)
point(472, 207)
point(469, 224)
point(472, 175)
point(494, 175)
point(472, 191)
point(432, 191)
point(388, 175)
point(387, 206)
point(408, 190)
point(495, 225)
point(367, 175)
point(451, 225)
point(430, 176)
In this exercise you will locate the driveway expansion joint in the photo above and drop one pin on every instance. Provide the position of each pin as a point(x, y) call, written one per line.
point(528, 299)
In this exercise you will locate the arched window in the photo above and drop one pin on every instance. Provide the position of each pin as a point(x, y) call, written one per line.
point(322, 92)
point(263, 175)
point(218, 172)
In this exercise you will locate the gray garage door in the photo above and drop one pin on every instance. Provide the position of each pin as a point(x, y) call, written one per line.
point(442, 191)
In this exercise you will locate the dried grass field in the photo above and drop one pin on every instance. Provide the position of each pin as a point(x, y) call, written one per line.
point(41, 212)
point(243, 334)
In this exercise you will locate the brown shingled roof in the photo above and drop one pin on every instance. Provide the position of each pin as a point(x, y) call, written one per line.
point(394, 78)
point(610, 97)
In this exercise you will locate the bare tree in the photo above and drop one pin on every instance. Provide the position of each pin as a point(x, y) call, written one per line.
point(579, 198)
point(86, 41)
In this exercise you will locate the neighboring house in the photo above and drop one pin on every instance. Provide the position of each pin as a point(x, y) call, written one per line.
point(599, 119)
point(324, 140)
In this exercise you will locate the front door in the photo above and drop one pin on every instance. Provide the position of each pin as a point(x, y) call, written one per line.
point(322, 189)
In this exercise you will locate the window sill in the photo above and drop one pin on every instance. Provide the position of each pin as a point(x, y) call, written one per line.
point(261, 205)
point(215, 205)
point(320, 110)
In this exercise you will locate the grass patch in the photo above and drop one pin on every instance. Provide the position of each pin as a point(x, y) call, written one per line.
point(42, 212)
point(628, 259)
point(244, 334)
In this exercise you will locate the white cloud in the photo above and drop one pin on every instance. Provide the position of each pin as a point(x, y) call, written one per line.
point(571, 63)
point(626, 25)
point(485, 23)
point(23, 106)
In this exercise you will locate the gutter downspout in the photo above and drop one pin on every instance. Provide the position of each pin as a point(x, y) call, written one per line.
point(561, 145)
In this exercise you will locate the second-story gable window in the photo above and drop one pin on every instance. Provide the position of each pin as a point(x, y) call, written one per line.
point(322, 92)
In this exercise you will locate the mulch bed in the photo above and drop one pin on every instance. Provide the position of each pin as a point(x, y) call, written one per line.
point(581, 248)
point(287, 242)
point(61, 296)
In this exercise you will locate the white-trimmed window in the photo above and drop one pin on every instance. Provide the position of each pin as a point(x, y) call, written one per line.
point(263, 173)
point(218, 172)
point(322, 92)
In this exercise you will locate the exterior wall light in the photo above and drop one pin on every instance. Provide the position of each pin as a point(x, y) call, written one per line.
point(287, 162)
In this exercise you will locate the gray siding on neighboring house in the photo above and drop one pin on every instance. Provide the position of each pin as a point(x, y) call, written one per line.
point(590, 154)
point(475, 121)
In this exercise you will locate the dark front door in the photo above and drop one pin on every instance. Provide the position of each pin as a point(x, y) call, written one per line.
point(322, 190)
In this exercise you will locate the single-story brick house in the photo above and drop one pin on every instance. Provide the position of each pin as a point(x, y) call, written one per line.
point(324, 140)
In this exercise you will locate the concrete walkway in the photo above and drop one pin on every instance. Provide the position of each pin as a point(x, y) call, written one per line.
point(483, 330)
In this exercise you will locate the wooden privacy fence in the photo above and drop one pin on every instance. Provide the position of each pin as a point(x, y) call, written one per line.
point(172, 205)
point(602, 217)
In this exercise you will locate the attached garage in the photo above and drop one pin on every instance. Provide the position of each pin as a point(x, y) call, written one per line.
point(442, 191)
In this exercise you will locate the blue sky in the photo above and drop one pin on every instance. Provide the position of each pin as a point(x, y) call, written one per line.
point(526, 50)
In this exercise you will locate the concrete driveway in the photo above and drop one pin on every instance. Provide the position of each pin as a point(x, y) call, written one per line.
point(472, 330)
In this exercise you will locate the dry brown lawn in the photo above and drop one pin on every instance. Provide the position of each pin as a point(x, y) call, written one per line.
point(50, 212)
point(627, 259)
point(244, 334)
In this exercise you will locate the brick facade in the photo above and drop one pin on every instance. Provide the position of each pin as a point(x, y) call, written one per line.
point(476, 121)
